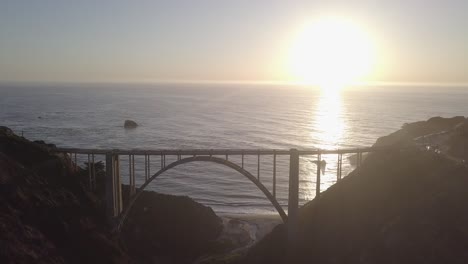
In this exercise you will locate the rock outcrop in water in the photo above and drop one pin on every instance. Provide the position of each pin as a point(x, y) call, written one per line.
point(130, 124)
point(48, 216)
point(401, 207)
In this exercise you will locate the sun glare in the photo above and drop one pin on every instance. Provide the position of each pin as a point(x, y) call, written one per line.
point(331, 53)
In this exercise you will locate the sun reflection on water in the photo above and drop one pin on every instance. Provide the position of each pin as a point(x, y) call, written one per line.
point(327, 132)
point(329, 123)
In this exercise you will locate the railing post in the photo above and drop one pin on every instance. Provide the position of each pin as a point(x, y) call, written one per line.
point(317, 182)
point(274, 174)
point(110, 190)
point(338, 167)
point(258, 167)
point(293, 203)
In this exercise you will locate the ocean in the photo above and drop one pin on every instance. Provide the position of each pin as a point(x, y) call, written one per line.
point(210, 116)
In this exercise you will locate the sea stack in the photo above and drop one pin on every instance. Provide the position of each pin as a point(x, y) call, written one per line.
point(130, 124)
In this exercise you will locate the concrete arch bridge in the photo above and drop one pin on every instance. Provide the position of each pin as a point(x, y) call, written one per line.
point(113, 158)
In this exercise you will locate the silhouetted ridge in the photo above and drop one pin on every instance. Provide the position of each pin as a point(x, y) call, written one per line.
point(401, 207)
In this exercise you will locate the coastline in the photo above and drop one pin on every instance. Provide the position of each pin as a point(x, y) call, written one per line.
point(41, 189)
point(394, 209)
point(240, 233)
point(252, 227)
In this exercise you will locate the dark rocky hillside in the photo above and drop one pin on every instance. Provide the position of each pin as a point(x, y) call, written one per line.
point(48, 216)
point(184, 229)
point(401, 207)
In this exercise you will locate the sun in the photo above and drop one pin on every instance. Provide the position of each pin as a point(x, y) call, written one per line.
point(331, 53)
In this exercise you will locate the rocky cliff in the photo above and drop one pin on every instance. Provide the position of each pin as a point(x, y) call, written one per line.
point(170, 229)
point(48, 216)
point(401, 207)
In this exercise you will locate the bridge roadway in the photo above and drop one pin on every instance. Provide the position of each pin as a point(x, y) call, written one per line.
point(188, 152)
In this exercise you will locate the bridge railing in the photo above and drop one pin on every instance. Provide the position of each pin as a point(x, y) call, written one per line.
point(189, 152)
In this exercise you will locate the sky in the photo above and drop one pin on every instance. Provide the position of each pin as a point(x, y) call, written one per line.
point(199, 40)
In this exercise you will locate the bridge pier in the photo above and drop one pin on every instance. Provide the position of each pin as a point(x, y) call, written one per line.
point(293, 203)
point(113, 201)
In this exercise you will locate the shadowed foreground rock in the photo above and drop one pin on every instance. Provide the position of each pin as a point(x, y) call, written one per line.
point(171, 229)
point(401, 207)
point(48, 216)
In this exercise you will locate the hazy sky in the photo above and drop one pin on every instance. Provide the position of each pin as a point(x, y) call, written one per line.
point(97, 40)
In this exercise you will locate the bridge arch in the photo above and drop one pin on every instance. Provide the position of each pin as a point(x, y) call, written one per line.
point(221, 161)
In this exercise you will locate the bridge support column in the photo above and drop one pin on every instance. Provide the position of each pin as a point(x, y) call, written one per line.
point(113, 186)
point(293, 203)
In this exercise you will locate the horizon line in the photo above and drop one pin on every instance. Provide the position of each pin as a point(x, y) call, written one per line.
point(242, 82)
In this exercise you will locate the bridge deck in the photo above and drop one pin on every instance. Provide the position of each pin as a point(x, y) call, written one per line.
point(223, 151)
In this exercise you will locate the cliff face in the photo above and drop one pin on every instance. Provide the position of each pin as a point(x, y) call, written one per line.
point(401, 207)
point(411, 131)
point(169, 229)
point(48, 216)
